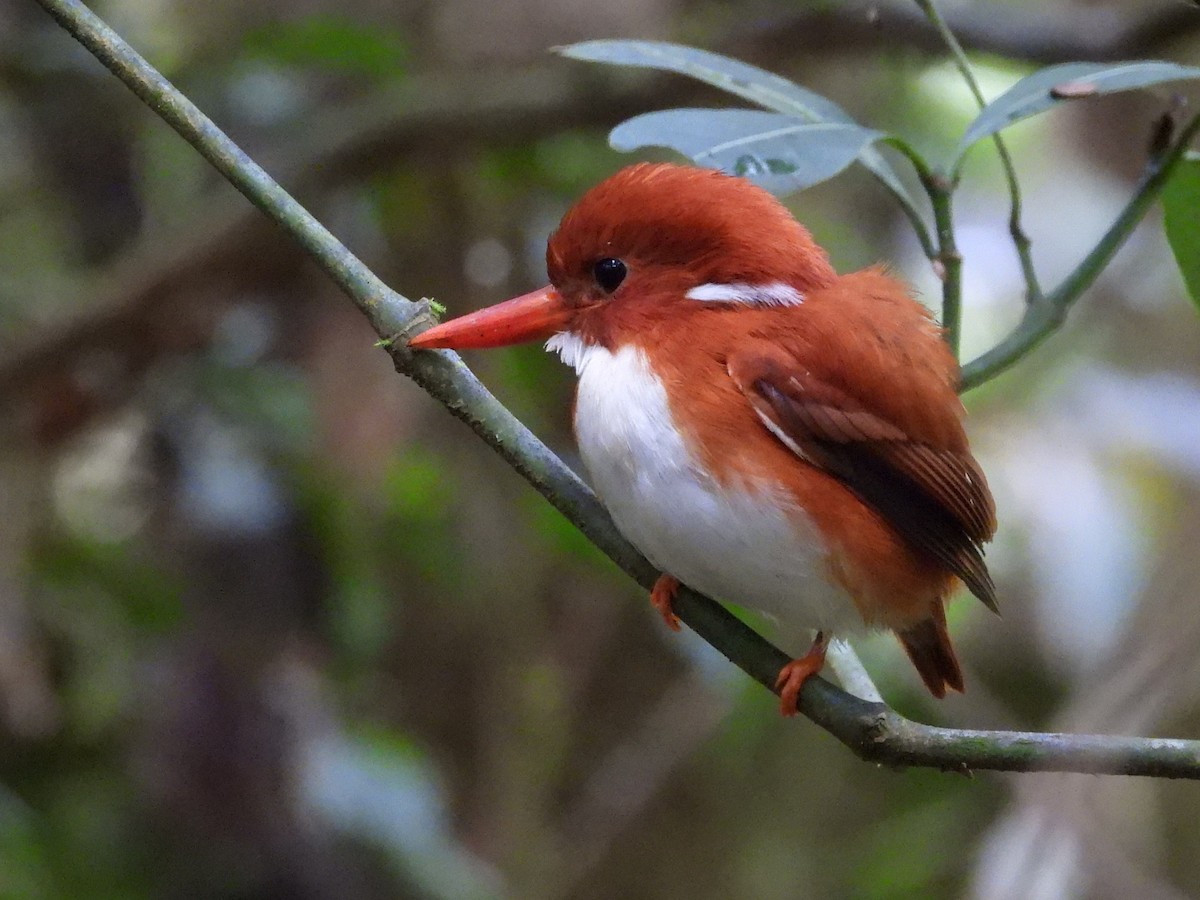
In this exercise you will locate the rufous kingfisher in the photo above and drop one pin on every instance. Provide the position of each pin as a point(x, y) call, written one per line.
point(763, 429)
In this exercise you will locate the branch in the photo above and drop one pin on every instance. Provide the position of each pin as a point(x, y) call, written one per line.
point(1045, 315)
point(871, 730)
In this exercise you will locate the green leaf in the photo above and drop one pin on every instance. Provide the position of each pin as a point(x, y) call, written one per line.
point(148, 597)
point(743, 80)
point(1065, 83)
point(780, 153)
point(1181, 219)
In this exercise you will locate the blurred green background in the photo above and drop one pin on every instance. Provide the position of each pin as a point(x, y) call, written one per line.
point(272, 624)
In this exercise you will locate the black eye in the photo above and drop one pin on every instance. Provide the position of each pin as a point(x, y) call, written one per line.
point(609, 274)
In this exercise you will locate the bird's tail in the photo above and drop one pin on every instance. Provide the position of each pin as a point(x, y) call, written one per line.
point(928, 646)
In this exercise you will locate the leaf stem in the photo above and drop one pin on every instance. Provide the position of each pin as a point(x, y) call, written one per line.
point(928, 246)
point(1047, 314)
point(948, 260)
point(944, 252)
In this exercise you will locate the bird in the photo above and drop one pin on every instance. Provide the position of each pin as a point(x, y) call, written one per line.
point(763, 429)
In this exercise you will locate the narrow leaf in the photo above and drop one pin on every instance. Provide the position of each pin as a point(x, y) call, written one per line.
point(743, 80)
point(1063, 84)
point(1181, 219)
point(780, 153)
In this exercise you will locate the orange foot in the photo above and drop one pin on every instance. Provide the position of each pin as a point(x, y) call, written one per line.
point(662, 598)
point(792, 676)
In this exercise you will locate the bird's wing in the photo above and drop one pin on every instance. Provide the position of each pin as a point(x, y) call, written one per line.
point(936, 499)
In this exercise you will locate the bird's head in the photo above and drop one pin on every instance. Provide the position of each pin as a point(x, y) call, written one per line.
point(644, 246)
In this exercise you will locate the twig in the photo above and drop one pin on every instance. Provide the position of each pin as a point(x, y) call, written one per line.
point(1045, 316)
point(872, 730)
point(952, 286)
point(941, 196)
point(946, 258)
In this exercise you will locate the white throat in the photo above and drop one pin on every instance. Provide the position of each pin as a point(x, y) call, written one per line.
point(571, 349)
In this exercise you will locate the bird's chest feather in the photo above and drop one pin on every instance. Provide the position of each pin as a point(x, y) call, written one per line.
point(743, 541)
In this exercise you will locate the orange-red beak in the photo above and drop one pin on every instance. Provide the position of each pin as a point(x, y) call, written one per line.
point(530, 317)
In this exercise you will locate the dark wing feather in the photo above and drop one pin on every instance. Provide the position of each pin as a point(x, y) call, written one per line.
point(936, 499)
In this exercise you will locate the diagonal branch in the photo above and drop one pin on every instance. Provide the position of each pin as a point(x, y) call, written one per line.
point(871, 730)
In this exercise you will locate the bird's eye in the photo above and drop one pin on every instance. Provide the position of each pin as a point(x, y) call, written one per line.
point(609, 274)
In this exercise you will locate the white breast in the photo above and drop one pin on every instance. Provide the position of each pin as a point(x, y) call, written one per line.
point(744, 543)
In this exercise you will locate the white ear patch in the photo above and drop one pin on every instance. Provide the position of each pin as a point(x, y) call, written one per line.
point(776, 293)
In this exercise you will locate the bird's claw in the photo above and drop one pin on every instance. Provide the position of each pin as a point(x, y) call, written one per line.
point(662, 598)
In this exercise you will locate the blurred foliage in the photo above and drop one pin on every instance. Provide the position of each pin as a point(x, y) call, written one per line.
point(273, 625)
point(331, 42)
